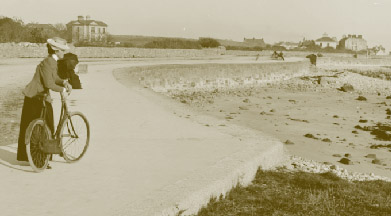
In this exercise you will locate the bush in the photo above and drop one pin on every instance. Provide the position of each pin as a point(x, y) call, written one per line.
point(173, 44)
point(208, 42)
point(256, 48)
point(12, 30)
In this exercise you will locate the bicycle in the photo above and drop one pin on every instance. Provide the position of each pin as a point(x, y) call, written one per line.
point(73, 128)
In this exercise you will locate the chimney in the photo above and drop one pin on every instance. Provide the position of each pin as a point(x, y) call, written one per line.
point(88, 17)
point(354, 36)
point(80, 18)
point(360, 36)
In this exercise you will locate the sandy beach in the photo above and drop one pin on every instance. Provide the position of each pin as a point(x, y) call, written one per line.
point(310, 113)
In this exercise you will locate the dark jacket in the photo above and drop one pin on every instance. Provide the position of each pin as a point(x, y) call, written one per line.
point(45, 78)
point(66, 70)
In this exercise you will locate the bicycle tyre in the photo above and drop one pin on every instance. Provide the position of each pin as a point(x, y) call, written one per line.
point(74, 131)
point(37, 158)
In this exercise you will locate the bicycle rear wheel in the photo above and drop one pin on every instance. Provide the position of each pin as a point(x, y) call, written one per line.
point(74, 137)
point(36, 133)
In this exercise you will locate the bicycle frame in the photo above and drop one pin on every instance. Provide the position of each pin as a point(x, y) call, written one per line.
point(41, 142)
point(63, 117)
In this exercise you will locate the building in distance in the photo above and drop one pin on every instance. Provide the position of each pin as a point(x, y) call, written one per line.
point(254, 42)
point(88, 30)
point(326, 41)
point(353, 42)
point(289, 45)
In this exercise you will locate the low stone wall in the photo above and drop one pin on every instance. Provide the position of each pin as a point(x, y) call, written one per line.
point(32, 50)
point(29, 50)
point(209, 77)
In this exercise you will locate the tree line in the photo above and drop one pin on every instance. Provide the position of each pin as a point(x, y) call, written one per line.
point(15, 30)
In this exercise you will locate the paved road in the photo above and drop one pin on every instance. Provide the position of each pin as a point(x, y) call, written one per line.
point(143, 159)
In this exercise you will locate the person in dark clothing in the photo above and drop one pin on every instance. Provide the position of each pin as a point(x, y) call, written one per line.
point(45, 78)
point(281, 55)
point(312, 58)
point(275, 54)
point(66, 70)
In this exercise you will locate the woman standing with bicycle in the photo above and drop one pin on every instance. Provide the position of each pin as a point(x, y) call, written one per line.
point(45, 78)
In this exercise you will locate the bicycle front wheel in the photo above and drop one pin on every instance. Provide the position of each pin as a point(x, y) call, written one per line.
point(36, 133)
point(75, 137)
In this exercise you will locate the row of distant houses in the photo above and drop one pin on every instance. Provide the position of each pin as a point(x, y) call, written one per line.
point(89, 30)
point(349, 42)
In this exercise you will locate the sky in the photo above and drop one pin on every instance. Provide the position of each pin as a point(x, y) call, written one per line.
point(273, 20)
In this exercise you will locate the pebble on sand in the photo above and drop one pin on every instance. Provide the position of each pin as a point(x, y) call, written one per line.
point(288, 142)
point(361, 98)
point(347, 88)
point(346, 161)
point(377, 161)
point(243, 108)
point(373, 156)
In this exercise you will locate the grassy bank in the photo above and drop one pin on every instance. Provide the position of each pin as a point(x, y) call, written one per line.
point(300, 193)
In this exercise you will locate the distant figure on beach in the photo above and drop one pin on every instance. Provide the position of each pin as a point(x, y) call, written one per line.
point(312, 58)
point(275, 54)
point(281, 55)
point(45, 78)
point(257, 57)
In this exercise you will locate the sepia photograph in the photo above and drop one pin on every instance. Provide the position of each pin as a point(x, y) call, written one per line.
point(195, 108)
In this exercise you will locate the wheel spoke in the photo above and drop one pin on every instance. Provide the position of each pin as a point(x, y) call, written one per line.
point(74, 137)
point(68, 144)
point(36, 135)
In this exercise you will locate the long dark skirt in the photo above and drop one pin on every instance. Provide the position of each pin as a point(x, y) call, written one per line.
point(32, 108)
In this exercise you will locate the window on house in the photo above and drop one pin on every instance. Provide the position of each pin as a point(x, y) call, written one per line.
point(104, 30)
point(99, 30)
point(93, 29)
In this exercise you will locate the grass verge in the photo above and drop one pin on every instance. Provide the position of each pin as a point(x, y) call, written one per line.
point(300, 193)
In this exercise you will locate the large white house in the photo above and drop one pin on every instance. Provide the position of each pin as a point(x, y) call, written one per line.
point(87, 30)
point(327, 41)
point(353, 42)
